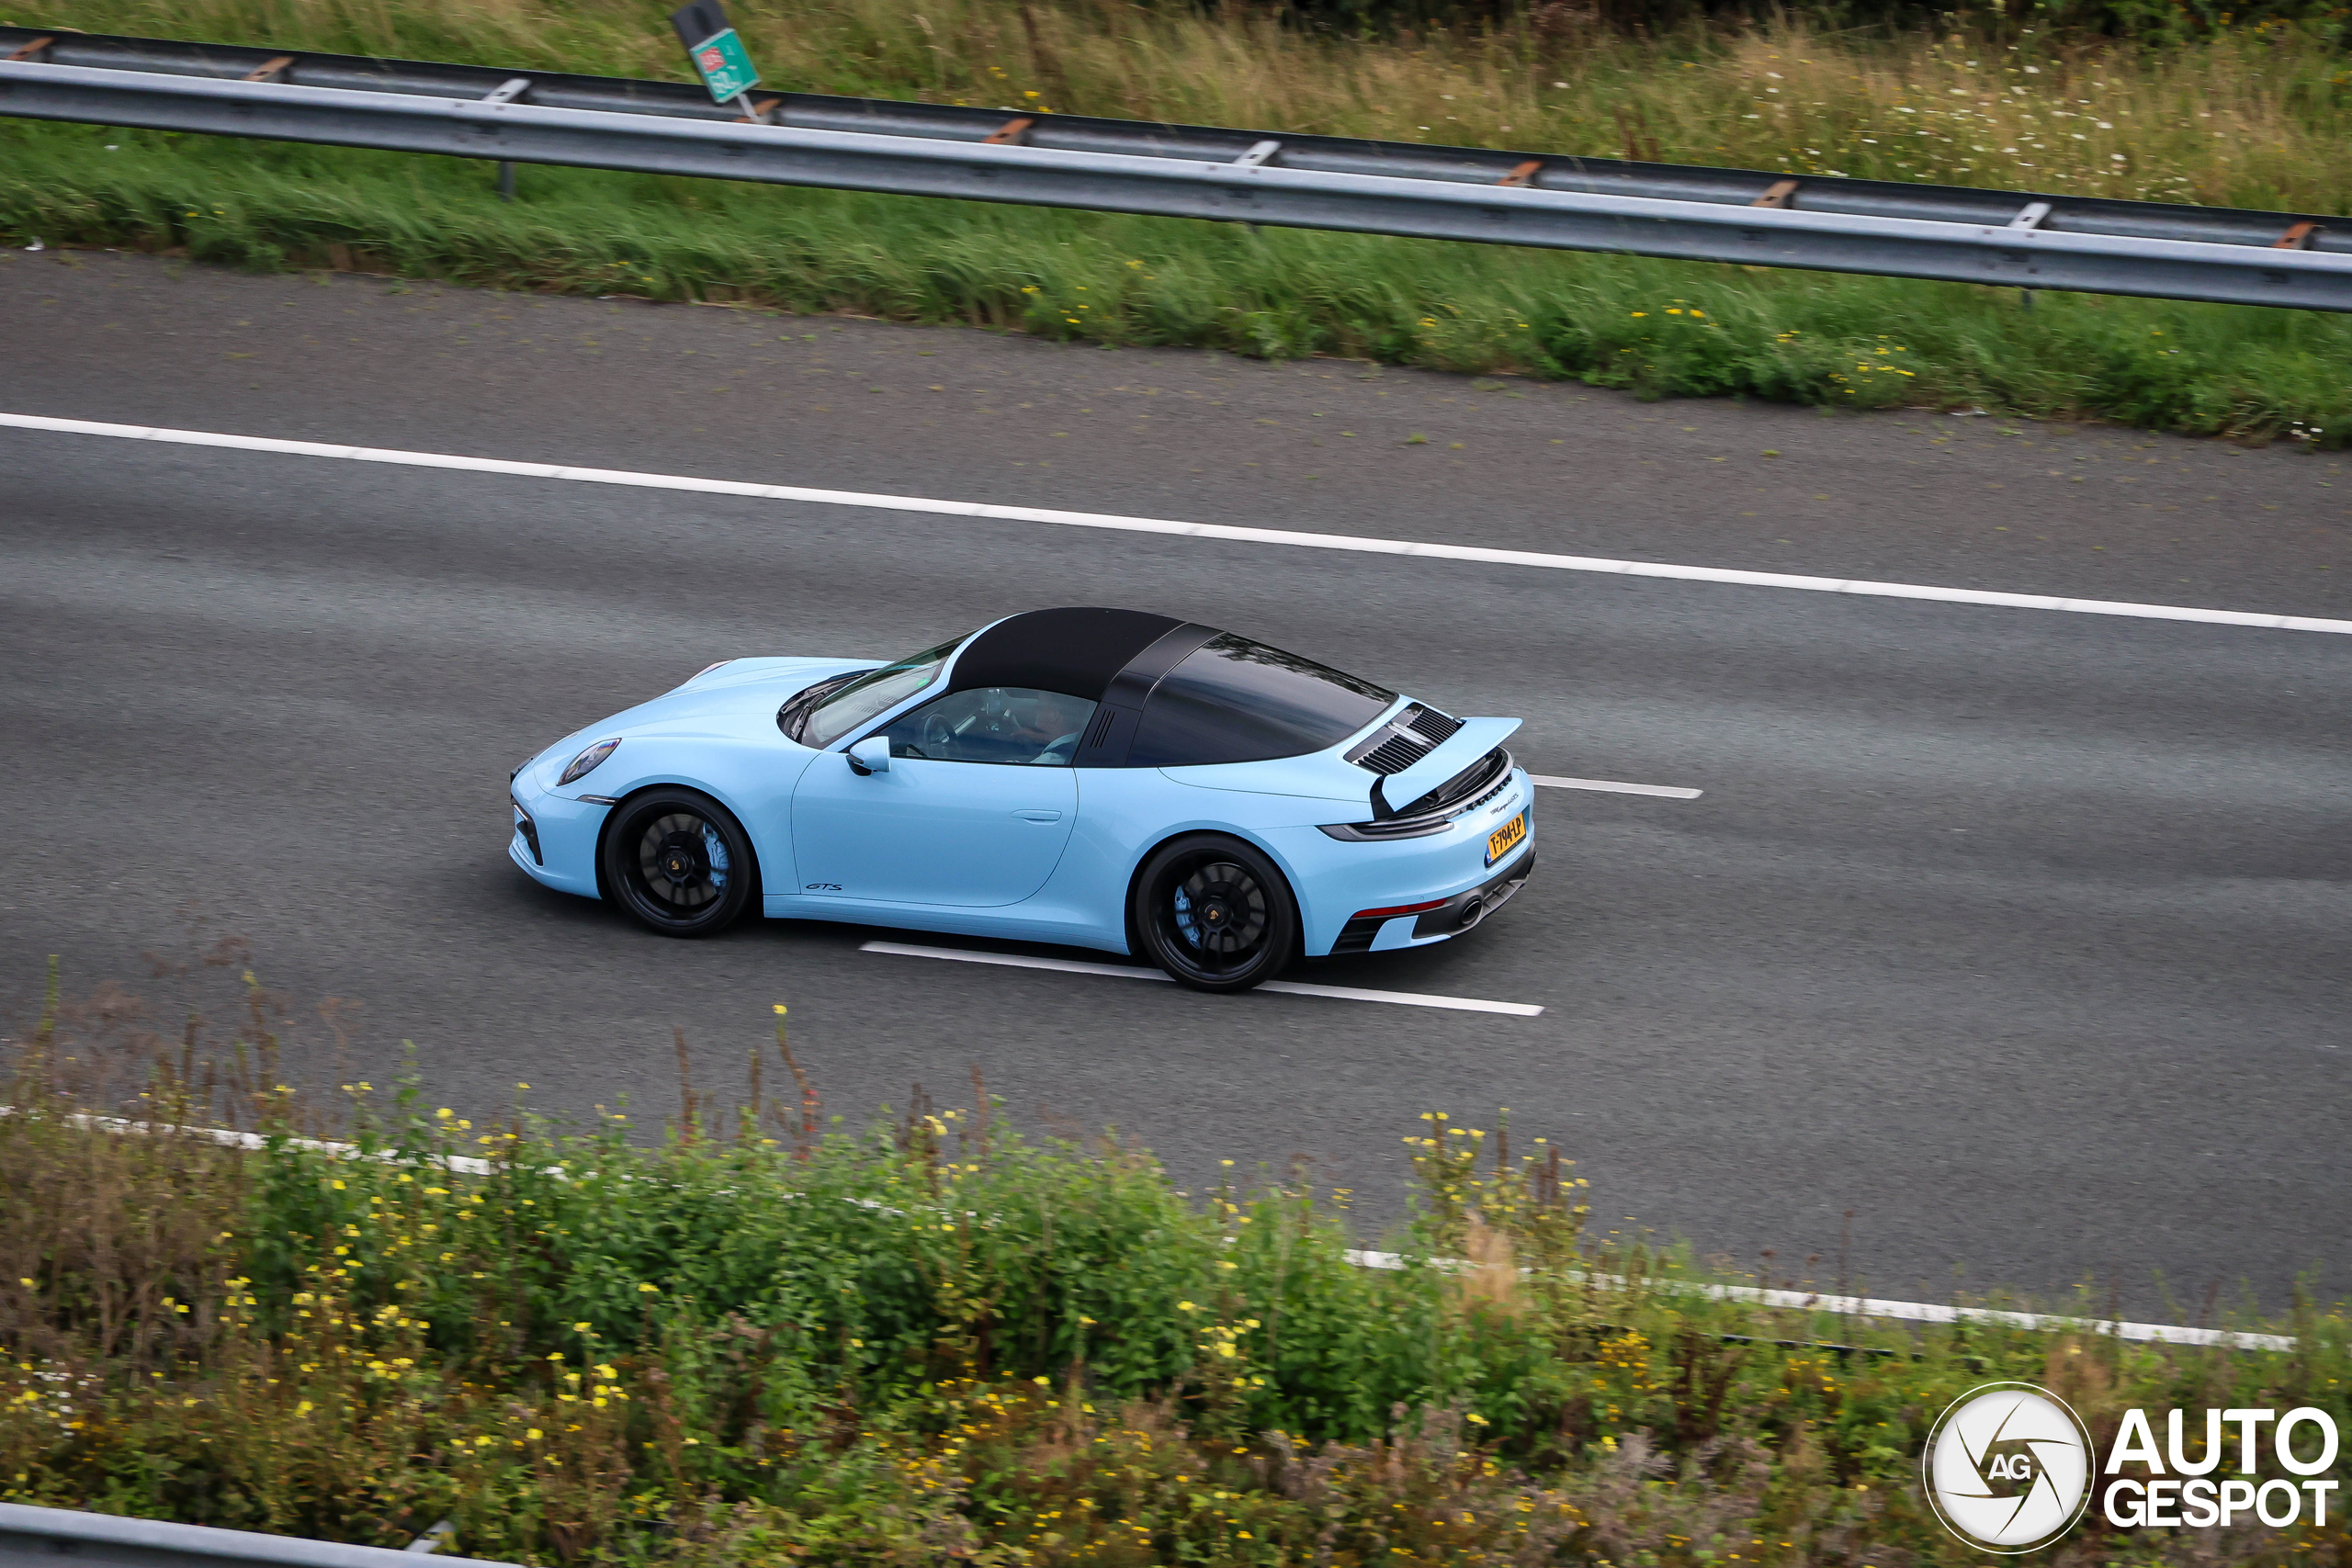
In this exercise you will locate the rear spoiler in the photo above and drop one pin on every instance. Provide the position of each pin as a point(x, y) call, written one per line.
point(1457, 754)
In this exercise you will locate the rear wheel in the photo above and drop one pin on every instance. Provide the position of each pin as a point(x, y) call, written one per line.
point(1215, 913)
point(675, 859)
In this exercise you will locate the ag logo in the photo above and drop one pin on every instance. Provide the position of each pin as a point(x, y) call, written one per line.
point(2008, 1467)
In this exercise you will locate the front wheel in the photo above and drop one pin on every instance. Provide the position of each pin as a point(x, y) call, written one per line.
point(1215, 913)
point(674, 859)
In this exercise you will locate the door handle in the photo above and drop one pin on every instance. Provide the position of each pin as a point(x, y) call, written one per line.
point(1035, 815)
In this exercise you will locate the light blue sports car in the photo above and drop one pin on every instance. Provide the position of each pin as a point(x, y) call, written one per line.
point(1105, 778)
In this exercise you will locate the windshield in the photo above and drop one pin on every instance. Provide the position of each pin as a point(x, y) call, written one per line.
point(1238, 701)
point(873, 692)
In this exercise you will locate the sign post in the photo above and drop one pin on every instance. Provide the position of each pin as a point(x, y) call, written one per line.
point(717, 53)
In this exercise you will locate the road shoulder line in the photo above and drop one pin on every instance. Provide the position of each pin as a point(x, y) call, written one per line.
point(1867, 1307)
point(1365, 1257)
point(1733, 576)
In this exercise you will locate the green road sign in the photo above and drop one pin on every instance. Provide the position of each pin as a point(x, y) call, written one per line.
point(717, 53)
point(725, 64)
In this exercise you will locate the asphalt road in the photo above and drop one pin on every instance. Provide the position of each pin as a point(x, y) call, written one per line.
point(2021, 935)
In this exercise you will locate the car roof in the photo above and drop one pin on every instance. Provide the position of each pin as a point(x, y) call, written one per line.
point(1076, 651)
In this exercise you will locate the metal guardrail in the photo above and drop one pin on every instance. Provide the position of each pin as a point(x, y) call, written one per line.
point(1552, 200)
point(37, 1537)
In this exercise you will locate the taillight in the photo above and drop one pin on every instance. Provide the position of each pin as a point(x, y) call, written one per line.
point(1397, 910)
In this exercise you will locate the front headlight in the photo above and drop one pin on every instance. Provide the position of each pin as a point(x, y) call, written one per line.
point(585, 763)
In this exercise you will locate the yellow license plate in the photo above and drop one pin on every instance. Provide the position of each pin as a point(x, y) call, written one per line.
point(1501, 840)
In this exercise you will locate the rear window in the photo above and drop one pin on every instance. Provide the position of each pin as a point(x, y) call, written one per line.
point(1238, 701)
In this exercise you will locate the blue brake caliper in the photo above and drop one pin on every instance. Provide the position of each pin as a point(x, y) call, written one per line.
point(1184, 923)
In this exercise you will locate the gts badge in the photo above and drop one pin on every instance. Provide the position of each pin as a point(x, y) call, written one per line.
point(822, 887)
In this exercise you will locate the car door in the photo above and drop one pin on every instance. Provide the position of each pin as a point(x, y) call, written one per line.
point(975, 809)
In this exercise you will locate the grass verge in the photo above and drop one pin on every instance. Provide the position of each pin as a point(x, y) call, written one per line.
point(2252, 119)
point(1657, 329)
point(767, 1339)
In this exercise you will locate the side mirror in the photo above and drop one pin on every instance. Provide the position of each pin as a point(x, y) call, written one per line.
point(871, 755)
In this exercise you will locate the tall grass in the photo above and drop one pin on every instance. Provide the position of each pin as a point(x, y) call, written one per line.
point(765, 1338)
point(2254, 118)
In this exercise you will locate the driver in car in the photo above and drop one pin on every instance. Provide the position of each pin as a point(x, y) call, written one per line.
point(1054, 722)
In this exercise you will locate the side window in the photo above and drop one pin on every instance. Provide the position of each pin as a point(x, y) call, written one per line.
point(1013, 725)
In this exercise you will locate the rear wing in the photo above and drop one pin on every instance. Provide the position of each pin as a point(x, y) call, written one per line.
point(1457, 753)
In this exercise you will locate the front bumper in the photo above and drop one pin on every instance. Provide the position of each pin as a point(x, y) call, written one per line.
point(554, 838)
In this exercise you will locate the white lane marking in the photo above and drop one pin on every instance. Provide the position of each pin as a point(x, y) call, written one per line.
point(228, 1138)
point(1908, 1311)
point(1403, 999)
point(1606, 788)
point(1191, 530)
point(1014, 960)
point(1129, 972)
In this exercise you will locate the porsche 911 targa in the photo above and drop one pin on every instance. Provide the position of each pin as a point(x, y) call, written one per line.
point(1104, 778)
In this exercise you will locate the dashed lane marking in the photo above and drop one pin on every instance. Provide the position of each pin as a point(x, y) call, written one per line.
point(1606, 787)
point(1193, 530)
point(1129, 972)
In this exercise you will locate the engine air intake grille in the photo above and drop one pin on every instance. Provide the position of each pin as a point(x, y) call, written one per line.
point(1433, 726)
point(1403, 741)
point(1392, 755)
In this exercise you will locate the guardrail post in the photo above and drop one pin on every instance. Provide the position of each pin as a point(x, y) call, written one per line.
point(507, 92)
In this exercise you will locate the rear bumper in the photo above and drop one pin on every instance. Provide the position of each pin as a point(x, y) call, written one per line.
point(1465, 911)
point(1456, 914)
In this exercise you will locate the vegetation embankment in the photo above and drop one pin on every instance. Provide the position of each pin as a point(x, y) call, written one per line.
point(2240, 115)
point(766, 1340)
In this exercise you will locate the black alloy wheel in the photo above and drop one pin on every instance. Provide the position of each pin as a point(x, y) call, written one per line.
point(1215, 913)
point(678, 862)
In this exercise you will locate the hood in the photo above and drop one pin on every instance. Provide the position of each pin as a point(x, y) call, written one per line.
point(735, 688)
point(739, 694)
